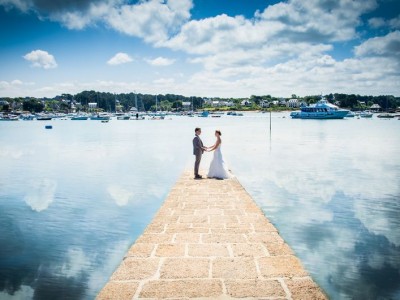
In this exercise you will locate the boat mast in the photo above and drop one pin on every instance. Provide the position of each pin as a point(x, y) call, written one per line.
point(136, 105)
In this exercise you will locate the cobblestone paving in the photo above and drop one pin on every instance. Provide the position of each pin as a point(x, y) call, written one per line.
point(210, 240)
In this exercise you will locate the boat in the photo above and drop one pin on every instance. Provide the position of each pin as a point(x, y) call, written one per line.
point(100, 117)
point(320, 110)
point(79, 118)
point(204, 114)
point(366, 114)
point(385, 116)
point(233, 113)
point(350, 114)
point(9, 118)
point(43, 118)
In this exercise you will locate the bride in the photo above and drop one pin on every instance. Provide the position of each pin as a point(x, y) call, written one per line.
point(218, 168)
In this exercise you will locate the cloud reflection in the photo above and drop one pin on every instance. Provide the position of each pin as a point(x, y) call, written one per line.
point(120, 195)
point(41, 194)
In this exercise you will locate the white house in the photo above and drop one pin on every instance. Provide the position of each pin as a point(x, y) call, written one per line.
point(293, 103)
point(186, 104)
point(245, 102)
point(375, 107)
point(265, 103)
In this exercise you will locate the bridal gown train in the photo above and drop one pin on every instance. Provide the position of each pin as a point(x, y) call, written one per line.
point(218, 168)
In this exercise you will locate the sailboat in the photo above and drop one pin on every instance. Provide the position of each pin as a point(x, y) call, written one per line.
point(158, 115)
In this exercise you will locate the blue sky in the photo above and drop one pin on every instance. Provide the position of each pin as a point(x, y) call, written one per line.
point(224, 48)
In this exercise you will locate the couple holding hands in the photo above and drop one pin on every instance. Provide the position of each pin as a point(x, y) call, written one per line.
point(217, 167)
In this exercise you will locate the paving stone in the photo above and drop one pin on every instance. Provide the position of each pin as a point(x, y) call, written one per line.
point(177, 268)
point(209, 211)
point(224, 219)
point(238, 268)
point(281, 266)
point(186, 229)
point(276, 249)
point(170, 250)
point(141, 250)
point(250, 250)
point(261, 226)
point(224, 238)
point(193, 219)
point(208, 250)
point(136, 268)
point(155, 238)
point(118, 291)
point(265, 237)
point(181, 289)
point(254, 288)
point(187, 238)
point(304, 288)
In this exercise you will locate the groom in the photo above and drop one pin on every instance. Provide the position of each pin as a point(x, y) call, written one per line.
point(198, 150)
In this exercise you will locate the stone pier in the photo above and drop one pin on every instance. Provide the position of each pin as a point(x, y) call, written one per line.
point(210, 240)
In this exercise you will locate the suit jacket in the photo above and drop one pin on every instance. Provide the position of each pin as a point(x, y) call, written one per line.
point(197, 146)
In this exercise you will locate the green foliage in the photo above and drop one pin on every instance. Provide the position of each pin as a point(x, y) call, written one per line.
point(33, 105)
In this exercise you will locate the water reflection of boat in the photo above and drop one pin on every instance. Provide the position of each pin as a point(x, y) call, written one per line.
point(321, 110)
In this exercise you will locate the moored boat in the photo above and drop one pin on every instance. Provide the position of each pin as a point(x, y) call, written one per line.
point(321, 110)
point(9, 118)
point(366, 114)
point(79, 118)
point(100, 117)
point(386, 116)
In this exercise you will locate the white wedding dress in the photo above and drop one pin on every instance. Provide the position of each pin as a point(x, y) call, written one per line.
point(218, 168)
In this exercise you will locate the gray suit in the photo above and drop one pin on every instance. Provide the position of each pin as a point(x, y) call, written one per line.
point(197, 151)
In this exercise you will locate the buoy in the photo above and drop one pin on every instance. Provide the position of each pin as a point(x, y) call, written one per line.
point(48, 127)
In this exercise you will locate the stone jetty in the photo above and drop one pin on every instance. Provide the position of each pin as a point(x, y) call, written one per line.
point(210, 240)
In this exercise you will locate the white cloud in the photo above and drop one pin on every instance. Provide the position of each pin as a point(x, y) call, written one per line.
point(160, 61)
point(40, 194)
point(41, 59)
point(22, 5)
point(376, 22)
point(119, 58)
point(388, 45)
point(153, 20)
point(380, 22)
point(395, 22)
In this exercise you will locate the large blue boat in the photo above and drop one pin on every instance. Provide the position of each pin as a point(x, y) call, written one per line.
point(321, 110)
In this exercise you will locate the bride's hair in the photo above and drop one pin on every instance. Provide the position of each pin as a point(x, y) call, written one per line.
point(219, 132)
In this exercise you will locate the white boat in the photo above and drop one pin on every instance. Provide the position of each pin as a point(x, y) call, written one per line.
point(79, 118)
point(100, 117)
point(321, 110)
point(9, 118)
point(366, 114)
point(350, 114)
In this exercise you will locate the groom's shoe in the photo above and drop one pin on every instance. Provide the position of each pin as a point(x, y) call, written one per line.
point(198, 177)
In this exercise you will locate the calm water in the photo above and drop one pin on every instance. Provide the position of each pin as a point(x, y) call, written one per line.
point(74, 198)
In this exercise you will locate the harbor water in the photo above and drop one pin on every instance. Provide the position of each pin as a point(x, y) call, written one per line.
point(75, 197)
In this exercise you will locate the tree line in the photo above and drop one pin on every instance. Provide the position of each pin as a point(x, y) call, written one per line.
point(147, 102)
